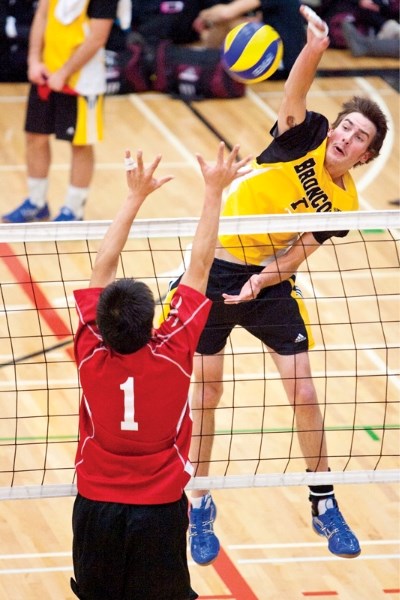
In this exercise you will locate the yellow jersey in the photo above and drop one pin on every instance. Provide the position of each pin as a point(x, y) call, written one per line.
point(289, 177)
point(66, 29)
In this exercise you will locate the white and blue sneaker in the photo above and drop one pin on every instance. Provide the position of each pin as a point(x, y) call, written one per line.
point(27, 212)
point(67, 215)
point(204, 544)
point(331, 525)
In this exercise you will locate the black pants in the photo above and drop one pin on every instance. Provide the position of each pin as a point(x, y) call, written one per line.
point(130, 552)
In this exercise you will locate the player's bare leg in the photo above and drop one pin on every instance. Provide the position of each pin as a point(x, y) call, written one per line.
point(297, 380)
point(82, 168)
point(327, 520)
point(206, 393)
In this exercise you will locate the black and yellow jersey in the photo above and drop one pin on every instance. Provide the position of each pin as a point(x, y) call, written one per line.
point(288, 177)
point(67, 27)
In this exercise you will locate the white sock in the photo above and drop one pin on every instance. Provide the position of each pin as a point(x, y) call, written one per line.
point(75, 199)
point(37, 190)
point(324, 505)
point(196, 502)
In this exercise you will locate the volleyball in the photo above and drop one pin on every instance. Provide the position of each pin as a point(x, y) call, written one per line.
point(252, 52)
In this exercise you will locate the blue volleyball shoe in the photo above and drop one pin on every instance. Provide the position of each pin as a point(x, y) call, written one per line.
point(27, 212)
point(331, 525)
point(204, 544)
point(66, 215)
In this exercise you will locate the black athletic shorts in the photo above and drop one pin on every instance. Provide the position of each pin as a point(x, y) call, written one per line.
point(277, 316)
point(75, 119)
point(130, 551)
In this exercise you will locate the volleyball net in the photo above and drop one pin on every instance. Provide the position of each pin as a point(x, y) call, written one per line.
point(351, 290)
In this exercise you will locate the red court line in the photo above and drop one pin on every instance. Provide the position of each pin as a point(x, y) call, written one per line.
point(35, 294)
point(232, 578)
point(396, 591)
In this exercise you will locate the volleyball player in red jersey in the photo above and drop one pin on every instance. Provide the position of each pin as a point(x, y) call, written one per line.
point(135, 424)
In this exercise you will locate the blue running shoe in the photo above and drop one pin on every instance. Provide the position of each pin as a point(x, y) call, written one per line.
point(204, 544)
point(341, 540)
point(66, 214)
point(27, 212)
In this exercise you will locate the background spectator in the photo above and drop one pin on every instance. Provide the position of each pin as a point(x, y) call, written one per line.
point(386, 43)
point(68, 80)
point(367, 16)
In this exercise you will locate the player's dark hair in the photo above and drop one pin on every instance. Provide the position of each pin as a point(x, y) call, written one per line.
point(371, 111)
point(125, 314)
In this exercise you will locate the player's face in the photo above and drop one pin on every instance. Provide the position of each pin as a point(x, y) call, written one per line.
point(348, 143)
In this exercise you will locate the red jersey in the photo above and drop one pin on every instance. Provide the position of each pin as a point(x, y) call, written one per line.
point(135, 422)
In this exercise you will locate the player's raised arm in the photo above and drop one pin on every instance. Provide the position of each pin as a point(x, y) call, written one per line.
point(141, 183)
point(293, 107)
point(216, 177)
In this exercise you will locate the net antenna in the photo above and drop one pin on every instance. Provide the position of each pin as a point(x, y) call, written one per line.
point(351, 290)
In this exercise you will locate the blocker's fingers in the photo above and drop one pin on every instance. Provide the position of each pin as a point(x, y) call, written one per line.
point(319, 28)
point(221, 152)
point(155, 162)
point(130, 164)
point(234, 153)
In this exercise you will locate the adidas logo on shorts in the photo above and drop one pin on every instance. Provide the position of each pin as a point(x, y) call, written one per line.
point(300, 338)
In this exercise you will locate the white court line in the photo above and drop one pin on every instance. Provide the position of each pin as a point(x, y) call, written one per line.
point(267, 94)
point(231, 547)
point(324, 93)
point(304, 545)
point(37, 384)
point(13, 99)
point(174, 140)
point(311, 559)
point(35, 570)
point(25, 556)
point(22, 98)
point(278, 561)
point(375, 167)
point(238, 350)
point(272, 561)
point(255, 98)
point(274, 546)
point(52, 384)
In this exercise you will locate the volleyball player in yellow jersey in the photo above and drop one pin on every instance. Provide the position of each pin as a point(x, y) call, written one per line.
point(67, 72)
point(252, 280)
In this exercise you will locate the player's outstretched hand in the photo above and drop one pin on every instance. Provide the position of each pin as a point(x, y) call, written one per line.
point(317, 29)
point(249, 291)
point(221, 173)
point(140, 179)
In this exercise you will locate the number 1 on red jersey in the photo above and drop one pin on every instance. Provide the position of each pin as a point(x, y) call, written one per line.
point(129, 423)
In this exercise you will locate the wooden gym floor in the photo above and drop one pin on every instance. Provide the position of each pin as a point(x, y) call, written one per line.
point(269, 551)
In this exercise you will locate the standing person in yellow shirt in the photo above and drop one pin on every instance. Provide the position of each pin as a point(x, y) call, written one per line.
point(68, 82)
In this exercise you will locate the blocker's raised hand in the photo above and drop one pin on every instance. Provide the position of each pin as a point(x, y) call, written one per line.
point(140, 179)
point(224, 170)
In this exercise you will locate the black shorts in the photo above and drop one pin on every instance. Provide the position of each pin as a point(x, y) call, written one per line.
point(76, 119)
point(277, 316)
point(130, 552)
